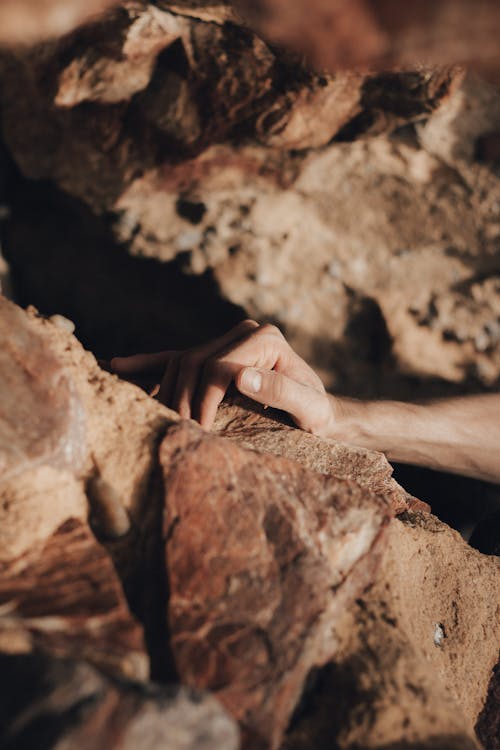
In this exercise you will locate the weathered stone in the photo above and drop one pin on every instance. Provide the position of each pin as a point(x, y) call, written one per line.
point(263, 610)
point(394, 682)
point(59, 703)
point(213, 82)
point(64, 595)
point(34, 504)
point(263, 557)
point(206, 147)
point(257, 429)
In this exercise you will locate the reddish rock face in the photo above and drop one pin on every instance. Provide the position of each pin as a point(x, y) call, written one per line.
point(65, 596)
point(263, 556)
point(265, 431)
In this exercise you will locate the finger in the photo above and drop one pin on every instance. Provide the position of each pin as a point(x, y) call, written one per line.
point(169, 381)
point(261, 347)
point(235, 334)
point(216, 379)
point(308, 407)
point(137, 363)
point(187, 379)
point(192, 364)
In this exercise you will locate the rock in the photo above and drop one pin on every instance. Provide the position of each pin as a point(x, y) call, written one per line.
point(205, 148)
point(64, 596)
point(54, 703)
point(34, 504)
point(462, 121)
point(164, 86)
point(263, 557)
point(391, 684)
point(265, 431)
point(338, 34)
point(121, 424)
point(31, 21)
point(293, 598)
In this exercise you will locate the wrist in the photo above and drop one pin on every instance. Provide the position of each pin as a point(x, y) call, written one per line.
point(349, 420)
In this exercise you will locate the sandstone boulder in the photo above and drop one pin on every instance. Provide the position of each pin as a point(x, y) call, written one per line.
point(291, 594)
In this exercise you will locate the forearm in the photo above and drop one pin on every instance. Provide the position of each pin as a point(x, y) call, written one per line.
point(460, 435)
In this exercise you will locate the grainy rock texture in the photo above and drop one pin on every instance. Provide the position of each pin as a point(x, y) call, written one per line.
point(202, 147)
point(263, 557)
point(253, 429)
point(41, 417)
point(413, 650)
point(360, 211)
point(58, 703)
point(64, 595)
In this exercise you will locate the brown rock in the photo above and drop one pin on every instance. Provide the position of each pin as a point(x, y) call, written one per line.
point(417, 651)
point(60, 703)
point(263, 556)
point(64, 595)
point(45, 570)
point(267, 433)
point(213, 82)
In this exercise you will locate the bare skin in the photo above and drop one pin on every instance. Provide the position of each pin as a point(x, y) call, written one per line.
point(460, 435)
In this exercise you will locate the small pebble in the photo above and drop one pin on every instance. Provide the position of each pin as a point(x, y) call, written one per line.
point(439, 635)
point(64, 324)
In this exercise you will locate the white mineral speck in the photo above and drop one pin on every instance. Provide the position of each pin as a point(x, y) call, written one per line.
point(439, 635)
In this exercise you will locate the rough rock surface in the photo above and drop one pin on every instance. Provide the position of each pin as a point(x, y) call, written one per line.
point(202, 146)
point(412, 657)
point(263, 557)
point(401, 237)
point(148, 88)
point(253, 428)
point(64, 595)
point(413, 669)
point(58, 703)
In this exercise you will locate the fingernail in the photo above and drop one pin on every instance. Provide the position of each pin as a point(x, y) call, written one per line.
point(251, 380)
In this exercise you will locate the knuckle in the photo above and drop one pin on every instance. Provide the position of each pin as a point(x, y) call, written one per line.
point(269, 329)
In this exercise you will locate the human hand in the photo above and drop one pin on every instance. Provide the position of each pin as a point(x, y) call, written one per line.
point(256, 358)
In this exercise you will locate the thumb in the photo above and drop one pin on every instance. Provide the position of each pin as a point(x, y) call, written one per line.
point(308, 407)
